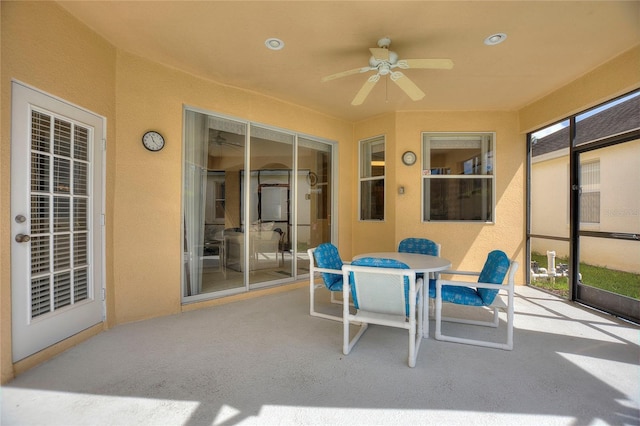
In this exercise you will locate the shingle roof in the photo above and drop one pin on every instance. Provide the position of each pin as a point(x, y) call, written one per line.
point(617, 119)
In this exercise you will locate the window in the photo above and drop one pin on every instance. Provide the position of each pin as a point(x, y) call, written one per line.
point(372, 179)
point(458, 177)
point(590, 192)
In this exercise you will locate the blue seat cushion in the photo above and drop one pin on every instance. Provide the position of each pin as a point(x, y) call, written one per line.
point(494, 271)
point(381, 263)
point(327, 257)
point(461, 295)
point(418, 245)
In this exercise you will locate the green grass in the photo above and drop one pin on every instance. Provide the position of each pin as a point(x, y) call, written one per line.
point(619, 282)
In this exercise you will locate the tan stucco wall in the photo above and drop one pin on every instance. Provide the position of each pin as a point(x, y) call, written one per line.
point(614, 78)
point(465, 244)
point(148, 196)
point(46, 48)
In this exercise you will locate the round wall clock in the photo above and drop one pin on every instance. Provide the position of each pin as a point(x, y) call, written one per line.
point(153, 141)
point(409, 158)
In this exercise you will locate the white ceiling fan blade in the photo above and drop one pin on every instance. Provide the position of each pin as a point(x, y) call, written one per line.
point(365, 89)
point(346, 73)
point(380, 53)
point(443, 64)
point(407, 85)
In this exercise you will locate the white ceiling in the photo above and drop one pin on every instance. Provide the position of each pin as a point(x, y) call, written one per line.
point(549, 44)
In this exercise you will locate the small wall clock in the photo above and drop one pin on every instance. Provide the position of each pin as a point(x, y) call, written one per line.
point(409, 158)
point(153, 141)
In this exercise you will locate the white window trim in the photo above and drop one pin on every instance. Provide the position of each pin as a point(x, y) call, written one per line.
point(426, 172)
point(361, 179)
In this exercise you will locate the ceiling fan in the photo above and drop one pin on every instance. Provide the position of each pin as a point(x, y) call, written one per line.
point(384, 61)
point(216, 139)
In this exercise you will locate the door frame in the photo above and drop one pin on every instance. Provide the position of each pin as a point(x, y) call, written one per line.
point(621, 306)
point(33, 96)
point(599, 299)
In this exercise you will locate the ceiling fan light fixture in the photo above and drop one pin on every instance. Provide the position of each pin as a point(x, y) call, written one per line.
point(494, 39)
point(274, 43)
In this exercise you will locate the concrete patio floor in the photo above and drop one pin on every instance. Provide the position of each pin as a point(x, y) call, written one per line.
point(265, 361)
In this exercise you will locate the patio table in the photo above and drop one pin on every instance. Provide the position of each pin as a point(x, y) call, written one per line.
point(420, 263)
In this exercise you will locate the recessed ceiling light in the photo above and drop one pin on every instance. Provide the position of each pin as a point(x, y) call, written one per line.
point(274, 43)
point(495, 39)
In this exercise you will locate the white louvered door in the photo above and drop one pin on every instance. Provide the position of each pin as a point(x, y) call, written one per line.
point(56, 219)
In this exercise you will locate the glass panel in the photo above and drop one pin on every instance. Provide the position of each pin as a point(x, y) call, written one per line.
point(239, 228)
point(459, 199)
point(61, 175)
point(214, 157)
point(40, 172)
point(62, 290)
point(469, 197)
point(40, 254)
point(39, 214)
point(80, 177)
point(458, 154)
point(81, 144)
point(40, 296)
point(62, 252)
point(40, 132)
point(372, 158)
point(549, 184)
point(615, 117)
point(53, 207)
point(80, 214)
point(62, 141)
point(80, 285)
point(80, 249)
point(314, 198)
point(550, 266)
point(372, 199)
point(270, 203)
point(61, 214)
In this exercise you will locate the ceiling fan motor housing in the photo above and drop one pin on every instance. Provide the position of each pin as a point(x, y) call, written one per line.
point(382, 65)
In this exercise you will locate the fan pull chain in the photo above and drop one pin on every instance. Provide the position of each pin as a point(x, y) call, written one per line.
point(386, 89)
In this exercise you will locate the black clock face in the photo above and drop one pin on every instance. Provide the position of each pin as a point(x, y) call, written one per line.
point(153, 141)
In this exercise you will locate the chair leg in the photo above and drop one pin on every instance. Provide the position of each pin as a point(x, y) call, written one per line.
point(347, 344)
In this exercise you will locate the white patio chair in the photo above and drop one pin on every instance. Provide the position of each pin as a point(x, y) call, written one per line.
point(424, 246)
point(482, 294)
point(325, 259)
point(384, 292)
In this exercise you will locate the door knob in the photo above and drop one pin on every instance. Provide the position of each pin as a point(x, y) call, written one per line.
point(21, 238)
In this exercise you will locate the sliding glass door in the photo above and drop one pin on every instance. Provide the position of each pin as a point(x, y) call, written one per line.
point(255, 198)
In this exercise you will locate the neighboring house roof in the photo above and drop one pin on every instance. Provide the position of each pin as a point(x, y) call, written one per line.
point(617, 119)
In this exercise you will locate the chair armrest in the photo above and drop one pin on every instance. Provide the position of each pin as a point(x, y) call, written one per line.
point(450, 272)
point(330, 271)
point(507, 286)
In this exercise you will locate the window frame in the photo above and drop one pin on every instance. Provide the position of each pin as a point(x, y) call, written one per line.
point(427, 175)
point(368, 176)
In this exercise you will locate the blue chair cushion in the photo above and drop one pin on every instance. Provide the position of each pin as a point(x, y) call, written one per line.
point(327, 257)
point(418, 245)
point(461, 295)
point(381, 263)
point(494, 271)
